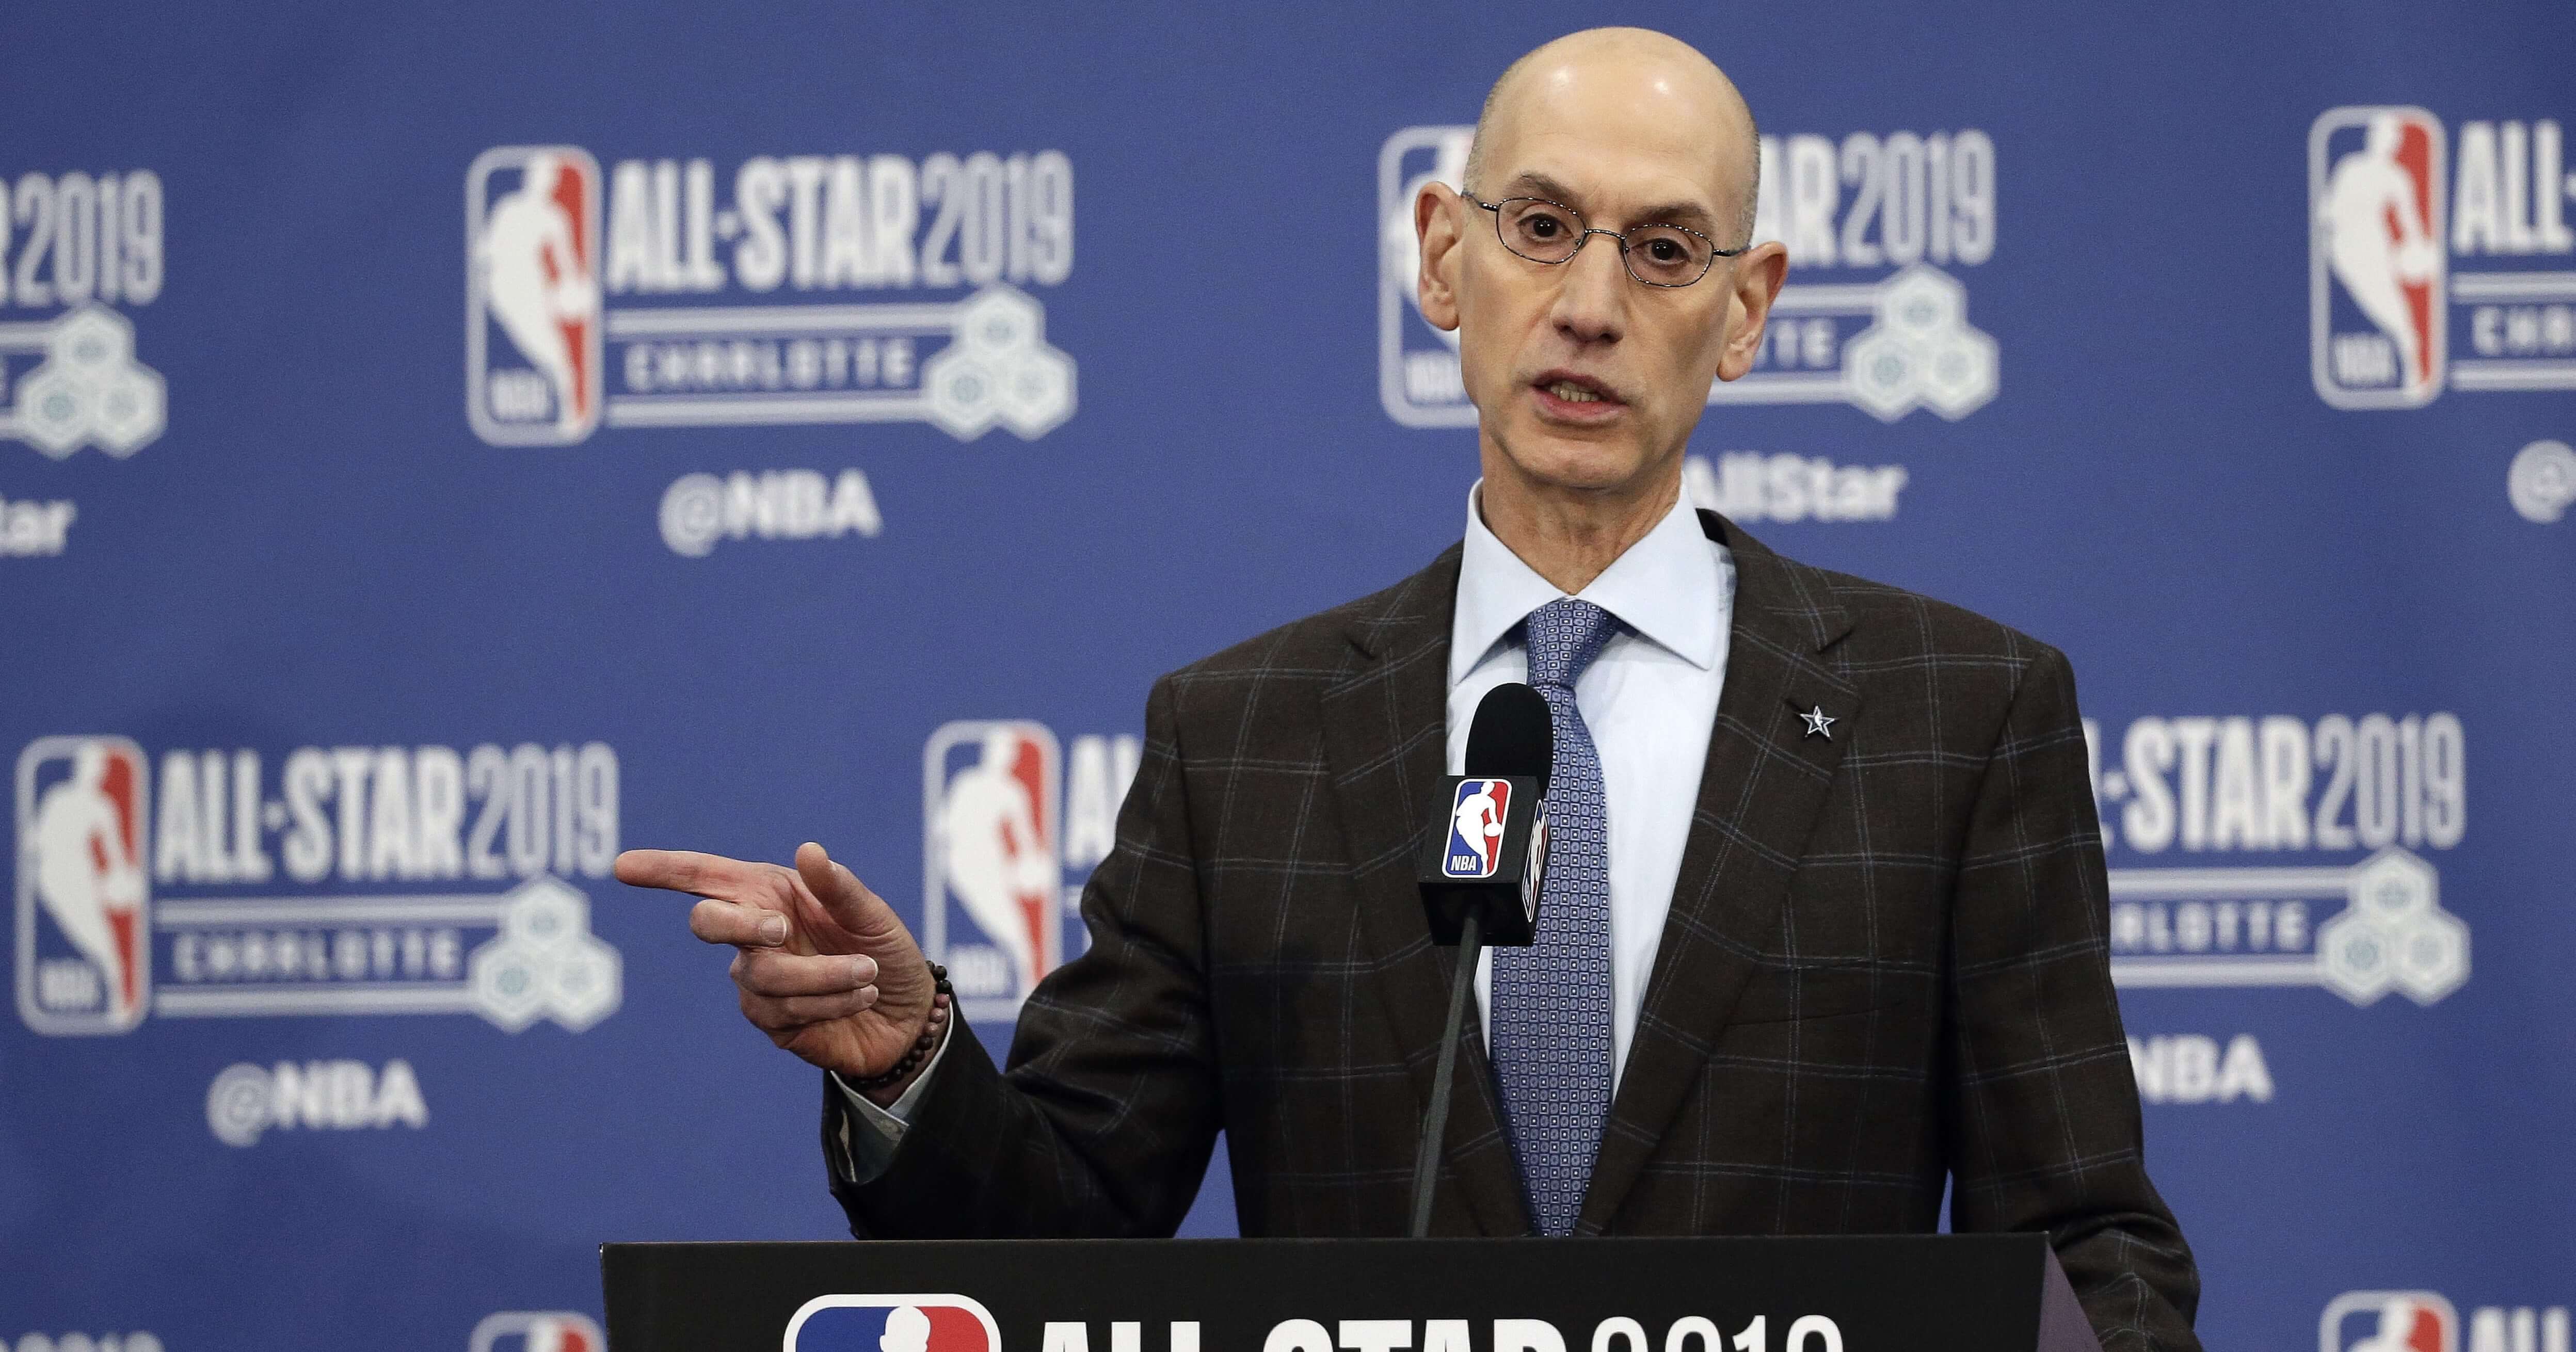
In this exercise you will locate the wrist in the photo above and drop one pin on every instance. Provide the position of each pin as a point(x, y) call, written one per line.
point(889, 1084)
point(885, 1092)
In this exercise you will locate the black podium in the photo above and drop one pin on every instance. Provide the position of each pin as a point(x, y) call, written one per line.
point(1931, 1293)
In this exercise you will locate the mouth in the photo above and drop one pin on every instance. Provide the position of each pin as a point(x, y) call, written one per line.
point(1570, 396)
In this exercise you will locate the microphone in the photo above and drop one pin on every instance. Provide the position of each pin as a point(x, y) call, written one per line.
point(1487, 841)
point(1483, 860)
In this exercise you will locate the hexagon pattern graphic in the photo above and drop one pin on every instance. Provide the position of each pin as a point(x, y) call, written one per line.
point(1920, 352)
point(2394, 936)
point(544, 962)
point(89, 389)
point(999, 370)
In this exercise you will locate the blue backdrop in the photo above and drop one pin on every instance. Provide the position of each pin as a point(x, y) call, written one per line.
point(438, 450)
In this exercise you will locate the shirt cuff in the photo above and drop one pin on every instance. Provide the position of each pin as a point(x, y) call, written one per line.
point(867, 1153)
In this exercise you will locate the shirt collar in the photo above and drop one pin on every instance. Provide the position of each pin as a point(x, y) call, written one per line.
point(1667, 587)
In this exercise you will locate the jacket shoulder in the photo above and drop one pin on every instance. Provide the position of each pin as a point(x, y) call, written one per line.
point(1262, 700)
point(1937, 674)
point(1890, 623)
point(1859, 623)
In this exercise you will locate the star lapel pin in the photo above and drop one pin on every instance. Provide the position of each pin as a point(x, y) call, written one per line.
point(1819, 724)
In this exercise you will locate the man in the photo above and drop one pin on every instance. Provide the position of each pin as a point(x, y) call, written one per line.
point(1824, 924)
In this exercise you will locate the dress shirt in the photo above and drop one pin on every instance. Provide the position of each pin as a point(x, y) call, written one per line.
point(867, 1153)
point(1650, 700)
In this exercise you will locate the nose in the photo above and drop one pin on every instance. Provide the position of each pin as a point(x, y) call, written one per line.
point(1592, 293)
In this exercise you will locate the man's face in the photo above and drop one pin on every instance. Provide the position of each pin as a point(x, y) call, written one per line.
point(1584, 378)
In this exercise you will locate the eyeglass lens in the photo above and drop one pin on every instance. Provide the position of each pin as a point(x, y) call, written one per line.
point(1658, 255)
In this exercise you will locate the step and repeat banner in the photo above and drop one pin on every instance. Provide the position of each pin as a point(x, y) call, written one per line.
point(441, 449)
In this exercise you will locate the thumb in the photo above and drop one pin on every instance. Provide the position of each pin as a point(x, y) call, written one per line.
point(861, 913)
point(871, 927)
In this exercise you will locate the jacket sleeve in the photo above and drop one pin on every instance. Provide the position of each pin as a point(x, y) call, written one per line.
point(2043, 1119)
point(1102, 1124)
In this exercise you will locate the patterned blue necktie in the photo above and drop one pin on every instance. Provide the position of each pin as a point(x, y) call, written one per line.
point(1551, 1001)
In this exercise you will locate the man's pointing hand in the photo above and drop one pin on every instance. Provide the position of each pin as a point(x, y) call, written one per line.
point(824, 966)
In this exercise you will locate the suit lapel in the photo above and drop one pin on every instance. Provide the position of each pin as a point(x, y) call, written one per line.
point(1385, 722)
point(1759, 792)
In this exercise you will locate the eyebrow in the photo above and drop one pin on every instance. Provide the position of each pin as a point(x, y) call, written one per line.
point(1669, 213)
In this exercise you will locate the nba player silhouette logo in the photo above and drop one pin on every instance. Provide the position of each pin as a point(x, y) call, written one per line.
point(1476, 817)
point(2389, 1321)
point(84, 922)
point(2379, 258)
point(532, 313)
point(993, 867)
point(942, 1323)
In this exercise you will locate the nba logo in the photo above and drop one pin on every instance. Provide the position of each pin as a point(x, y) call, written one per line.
point(992, 825)
point(2389, 1321)
point(532, 321)
point(84, 909)
point(1476, 817)
point(944, 1323)
point(2378, 258)
point(537, 1331)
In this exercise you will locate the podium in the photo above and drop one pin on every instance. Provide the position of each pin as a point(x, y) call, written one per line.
point(1925, 1293)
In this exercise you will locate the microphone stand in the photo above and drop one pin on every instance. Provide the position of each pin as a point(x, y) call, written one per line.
point(1435, 1124)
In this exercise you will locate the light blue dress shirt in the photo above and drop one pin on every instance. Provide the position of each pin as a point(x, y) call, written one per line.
point(1650, 700)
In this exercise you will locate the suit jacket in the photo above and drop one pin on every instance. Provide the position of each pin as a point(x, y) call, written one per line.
point(1886, 965)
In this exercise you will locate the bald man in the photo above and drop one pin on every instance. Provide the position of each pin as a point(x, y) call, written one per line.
point(1824, 921)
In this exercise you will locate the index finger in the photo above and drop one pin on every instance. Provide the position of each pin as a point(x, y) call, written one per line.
point(705, 875)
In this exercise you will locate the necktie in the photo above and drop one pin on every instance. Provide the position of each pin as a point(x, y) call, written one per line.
point(1551, 1001)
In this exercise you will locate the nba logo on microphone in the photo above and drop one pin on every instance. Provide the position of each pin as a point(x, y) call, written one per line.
point(2378, 258)
point(2389, 1321)
point(532, 295)
point(942, 1323)
point(84, 904)
point(1476, 817)
point(993, 861)
point(537, 1331)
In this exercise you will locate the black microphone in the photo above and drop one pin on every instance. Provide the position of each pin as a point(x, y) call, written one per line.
point(1487, 842)
point(1483, 860)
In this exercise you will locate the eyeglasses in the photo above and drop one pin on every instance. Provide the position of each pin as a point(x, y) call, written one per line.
point(1552, 232)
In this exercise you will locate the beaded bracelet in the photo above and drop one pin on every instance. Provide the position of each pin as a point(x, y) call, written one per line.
point(941, 996)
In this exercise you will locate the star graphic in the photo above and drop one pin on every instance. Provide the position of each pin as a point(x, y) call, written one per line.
point(1818, 724)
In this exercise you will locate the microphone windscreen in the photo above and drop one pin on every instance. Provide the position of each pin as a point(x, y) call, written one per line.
point(1512, 735)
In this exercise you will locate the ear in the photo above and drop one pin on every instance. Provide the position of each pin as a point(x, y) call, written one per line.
point(1758, 275)
point(1435, 224)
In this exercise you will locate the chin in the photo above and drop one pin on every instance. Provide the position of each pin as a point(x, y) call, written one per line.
point(1579, 463)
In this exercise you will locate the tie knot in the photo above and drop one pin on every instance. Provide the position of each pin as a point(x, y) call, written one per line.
point(1564, 636)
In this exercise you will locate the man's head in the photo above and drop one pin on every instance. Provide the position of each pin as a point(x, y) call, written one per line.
point(1584, 378)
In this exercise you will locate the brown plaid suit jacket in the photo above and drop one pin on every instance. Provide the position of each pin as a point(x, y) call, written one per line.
point(1885, 965)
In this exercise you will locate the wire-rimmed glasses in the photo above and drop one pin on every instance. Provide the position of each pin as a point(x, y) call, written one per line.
point(1552, 232)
